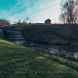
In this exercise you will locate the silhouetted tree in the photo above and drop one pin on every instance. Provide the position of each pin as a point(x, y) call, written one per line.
point(21, 23)
point(48, 21)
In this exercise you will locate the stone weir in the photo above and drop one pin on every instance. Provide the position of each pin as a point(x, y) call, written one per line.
point(52, 35)
point(43, 35)
point(13, 34)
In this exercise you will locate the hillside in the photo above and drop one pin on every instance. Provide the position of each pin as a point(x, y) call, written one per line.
point(7, 44)
point(24, 63)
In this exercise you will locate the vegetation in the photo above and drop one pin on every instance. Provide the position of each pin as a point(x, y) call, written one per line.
point(68, 15)
point(7, 44)
point(24, 63)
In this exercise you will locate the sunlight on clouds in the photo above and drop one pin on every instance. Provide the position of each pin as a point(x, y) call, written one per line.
point(36, 10)
point(52, 11)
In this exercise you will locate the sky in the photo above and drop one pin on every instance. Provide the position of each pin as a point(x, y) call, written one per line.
point(35, 11)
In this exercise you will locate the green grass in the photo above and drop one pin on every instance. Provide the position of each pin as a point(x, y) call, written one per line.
point(7, 44)
point(21, 62)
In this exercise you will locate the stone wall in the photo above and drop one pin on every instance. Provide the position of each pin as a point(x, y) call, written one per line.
point(43, 35)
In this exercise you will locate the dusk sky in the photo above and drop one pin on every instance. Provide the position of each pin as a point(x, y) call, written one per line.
point(31, 10)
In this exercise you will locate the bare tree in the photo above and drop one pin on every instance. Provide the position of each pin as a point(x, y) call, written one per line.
point(67, 15)
point(75, 11)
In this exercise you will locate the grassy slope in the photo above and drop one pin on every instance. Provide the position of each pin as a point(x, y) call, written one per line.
point(19, 62)
point(6, 44)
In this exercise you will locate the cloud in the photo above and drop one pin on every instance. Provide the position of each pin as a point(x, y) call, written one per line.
point(51, 11)
point(35, 10)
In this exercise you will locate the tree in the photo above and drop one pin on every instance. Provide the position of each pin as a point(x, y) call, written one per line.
point(67, 15)
point(48, 21)
point(75, 11)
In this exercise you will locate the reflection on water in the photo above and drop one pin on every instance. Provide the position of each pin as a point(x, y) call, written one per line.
point(55, 50)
